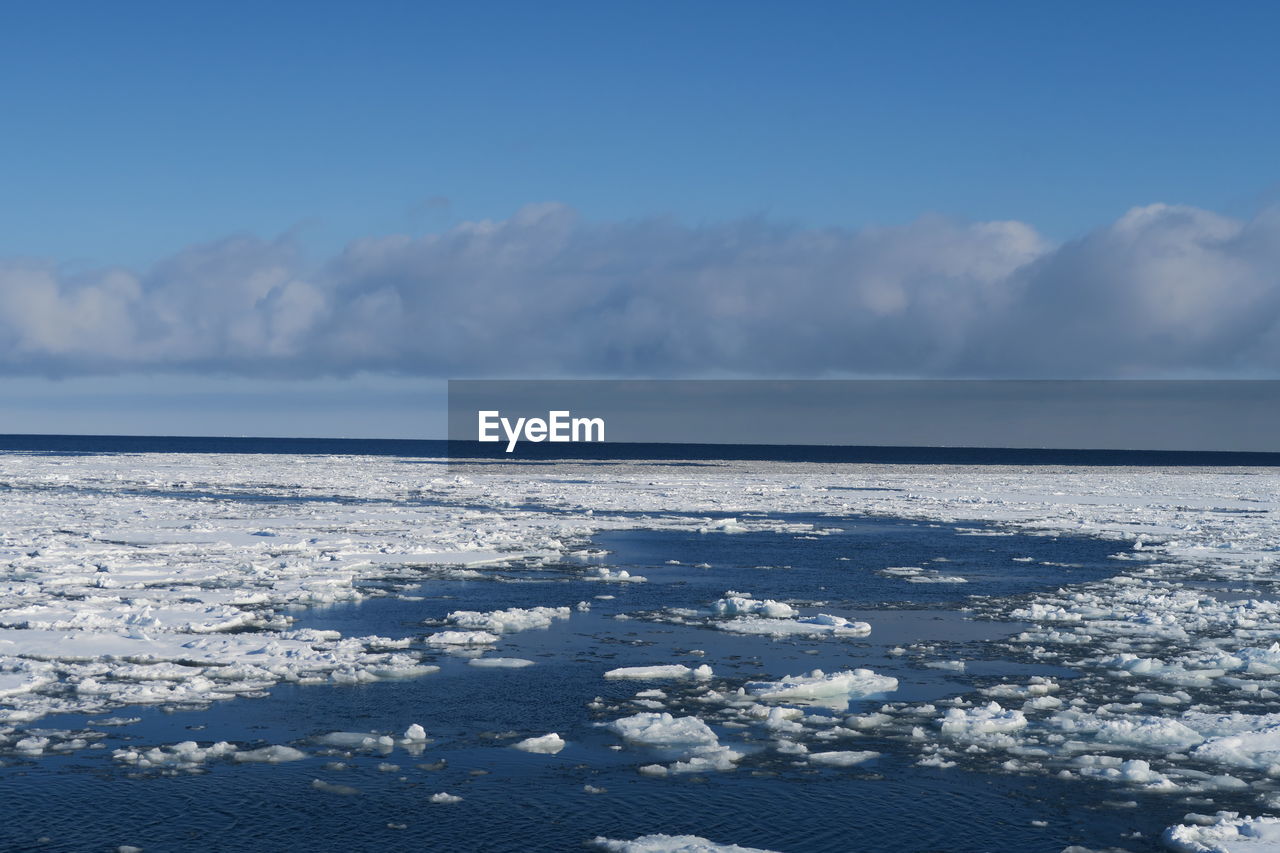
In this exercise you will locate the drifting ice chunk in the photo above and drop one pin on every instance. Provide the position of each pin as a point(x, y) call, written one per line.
point(704, 759)
point(662, 729)
point(185, 755)
point(619, 576)
point(723, 525)
point(508, 621)
point(461, 638)
point(500, 663)
point(670, 844)
point(357, 740)
point(445, 797)
point(547, 744)
point(1150, 732)
point(963, 724)
point(740, 606)
point(1230, 833)
point(811, 626)
point(654, 673)
point(1259, 750)
point(271, 755)
point(847, 758)
point(331, 788)
point(819, 685)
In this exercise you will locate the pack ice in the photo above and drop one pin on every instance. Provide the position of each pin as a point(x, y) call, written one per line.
point(148, 579)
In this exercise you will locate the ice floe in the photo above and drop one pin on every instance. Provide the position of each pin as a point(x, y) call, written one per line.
point(507, 621)
point(663, 729)
point(842, 758)
point(740, 614)
point(461, 638)
point(152, 589)
point(670, 844)
point(1227, 832)
point(500, 663)
point(549, 744)
point(819, 685)
point(660, 672)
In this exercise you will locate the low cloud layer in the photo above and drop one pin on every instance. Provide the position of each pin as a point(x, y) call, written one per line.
point(1163, 291)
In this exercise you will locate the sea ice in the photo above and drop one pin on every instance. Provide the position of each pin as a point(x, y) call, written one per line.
point(546, 744)
point(847, 758)
point(461, 638)
point(670, 844)
point(738, 606)
point(1227, 833)
point(657, 673)
point(662, 729)
point(812, 626)
point(819, 685)
point(508, 621)
point(500, 663)
point(270, 755)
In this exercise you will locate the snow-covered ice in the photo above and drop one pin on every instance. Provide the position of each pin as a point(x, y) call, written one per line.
point(659, 843)
point(130, 580)
point(660, 672)
point(819, 685)
point(507, 621)
point(1228, 832)
point(842, 758)
point(500, 663)
point(663, 729)
point(549, 744)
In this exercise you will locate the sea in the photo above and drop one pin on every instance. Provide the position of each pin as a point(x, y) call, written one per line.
point(380, 800)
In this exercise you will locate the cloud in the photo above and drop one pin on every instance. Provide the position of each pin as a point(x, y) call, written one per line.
point(1164, 290)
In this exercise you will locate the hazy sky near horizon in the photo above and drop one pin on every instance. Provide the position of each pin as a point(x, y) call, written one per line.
point(341, 204)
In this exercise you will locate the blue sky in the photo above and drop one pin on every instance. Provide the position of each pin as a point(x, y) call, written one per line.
point(137, 128)
point(140, 136)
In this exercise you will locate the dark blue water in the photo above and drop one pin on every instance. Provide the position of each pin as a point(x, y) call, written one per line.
point(475, 452)
point(515, 801)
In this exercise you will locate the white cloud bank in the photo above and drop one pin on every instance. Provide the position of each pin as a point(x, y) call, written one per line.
point(1165, 290)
